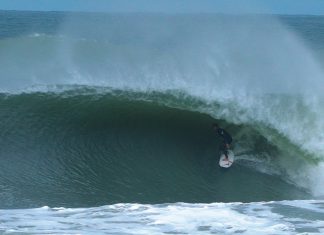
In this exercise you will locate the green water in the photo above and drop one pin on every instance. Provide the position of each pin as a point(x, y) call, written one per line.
point(87, 150)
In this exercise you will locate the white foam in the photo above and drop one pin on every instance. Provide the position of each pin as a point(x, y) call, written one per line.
point(183, 218)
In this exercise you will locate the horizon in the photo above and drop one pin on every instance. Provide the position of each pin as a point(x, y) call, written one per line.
point(230, 7)
point(163, 13)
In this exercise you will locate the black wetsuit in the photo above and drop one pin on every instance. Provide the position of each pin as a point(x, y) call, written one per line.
point(227, 138)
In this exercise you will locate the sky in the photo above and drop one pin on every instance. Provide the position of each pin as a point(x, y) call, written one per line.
point(306, 7)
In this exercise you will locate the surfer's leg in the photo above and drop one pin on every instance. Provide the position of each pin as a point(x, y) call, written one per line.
point(226, 154)
point(223, 150)
point(226, 148)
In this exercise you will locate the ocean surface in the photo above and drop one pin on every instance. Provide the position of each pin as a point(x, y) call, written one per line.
point(105, 123)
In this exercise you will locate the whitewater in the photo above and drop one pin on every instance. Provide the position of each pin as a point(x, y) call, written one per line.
point(106, 123)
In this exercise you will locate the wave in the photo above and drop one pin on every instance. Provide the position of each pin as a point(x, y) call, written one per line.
point(104, 146)
point(120, 107)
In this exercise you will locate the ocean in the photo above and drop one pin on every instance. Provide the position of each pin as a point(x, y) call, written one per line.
point(106, 123)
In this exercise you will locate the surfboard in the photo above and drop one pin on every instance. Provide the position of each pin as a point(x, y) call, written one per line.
point(226, 163)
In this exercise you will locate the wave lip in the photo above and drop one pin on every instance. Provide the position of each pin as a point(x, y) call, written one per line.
point(282, 217)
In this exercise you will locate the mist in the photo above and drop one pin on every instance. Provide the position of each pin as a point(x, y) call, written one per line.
point(163, 51)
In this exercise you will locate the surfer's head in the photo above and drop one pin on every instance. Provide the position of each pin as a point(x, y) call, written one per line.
point(215, 126)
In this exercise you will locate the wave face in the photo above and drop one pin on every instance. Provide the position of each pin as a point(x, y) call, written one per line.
point(99, 109)
point(80, 148)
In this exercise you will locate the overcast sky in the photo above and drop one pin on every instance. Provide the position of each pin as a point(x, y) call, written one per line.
point(312, 7)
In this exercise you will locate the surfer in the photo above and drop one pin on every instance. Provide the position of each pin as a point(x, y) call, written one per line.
point(227, 138)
